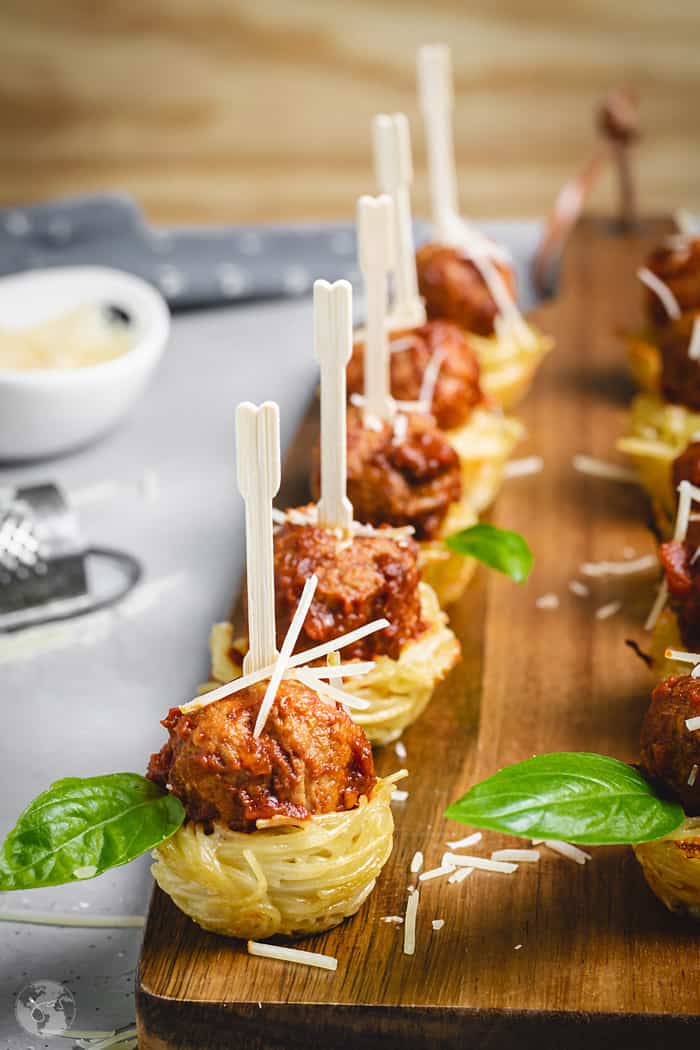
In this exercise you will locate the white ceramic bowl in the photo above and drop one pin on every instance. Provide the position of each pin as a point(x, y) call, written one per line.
point(44, 412)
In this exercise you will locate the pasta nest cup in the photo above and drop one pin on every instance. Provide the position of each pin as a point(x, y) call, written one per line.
point(644, 360)
point(507, 365)
point(671, 866)
point(397, 690)
point(658, 433)
point(447, 572)
point(284, 878)
point(484, 445)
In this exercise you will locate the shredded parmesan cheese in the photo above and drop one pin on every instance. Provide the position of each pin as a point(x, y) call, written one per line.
point(398, 795)
point(436, 873)
point(694, 347)
point(658, 606)
point(547, 601)
point(662, 290)
point(292, 955)
point(460, 875)
point(516, 856)
point(693, 776)
point(437, 924)
point(681, 656)
point(417, 862)
point(55, 918)
point(606, 611)
point(620, 568)
point(693, 724)
point(400, 750)
point(409, 930)
point(565, 849)
point(578, 588)
point(469, 840)
point(521, 468)
point(464, 860)
point(598, 468)
point(395, 920)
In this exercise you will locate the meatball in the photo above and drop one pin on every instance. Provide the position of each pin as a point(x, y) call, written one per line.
point(394, 479)
point(683, 579)
point(670, 751)
point(310, 758)
point(680, 373)
point(677, 263)
point(359, 580)
point(456, 391)
point(454, 289)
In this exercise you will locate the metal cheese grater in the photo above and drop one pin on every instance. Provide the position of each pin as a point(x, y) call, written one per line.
point(46, 572)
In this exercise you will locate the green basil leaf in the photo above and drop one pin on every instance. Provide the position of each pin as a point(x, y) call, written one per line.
point(500, 549)
point(584, 798)
point(82, 827)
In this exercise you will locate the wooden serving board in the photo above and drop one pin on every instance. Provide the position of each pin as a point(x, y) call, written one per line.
point(600, 959)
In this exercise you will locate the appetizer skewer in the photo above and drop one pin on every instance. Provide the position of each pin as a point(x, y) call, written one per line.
point(433, 369)
point(263, 805)
point(464, 277)
point(363, 572)
point(402, 470)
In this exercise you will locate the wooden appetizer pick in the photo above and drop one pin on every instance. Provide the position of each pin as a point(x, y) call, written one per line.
point(375, 248)
point(436, 98)
point(394, 173)
point(333, 348)
point(258, 469)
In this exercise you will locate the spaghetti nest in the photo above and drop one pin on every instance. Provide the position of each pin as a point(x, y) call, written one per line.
point(397, 690)
point(507, 365)
point(658, 433)
point(484, 445)
point(671, 866)
point(292, 879)
point(447, 572)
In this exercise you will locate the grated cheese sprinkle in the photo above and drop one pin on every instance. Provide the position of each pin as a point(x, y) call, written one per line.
point(598, 468)
point(526, 856)
point(437, 924)
point(566, 849)
point(469, 840)
point(409, 929)
point(662, 290)
point(460, 860)
point(658, 606)
point(400, 750)
point(693, 724)
point(620, 568)
point(292, 955)
point(417, 862)
point(521, 468)
point(436, 873)
point(395, 920)
point(693, 776)
point(547, 601)
point(606, 611)
point(398, 795)
point(460, 875)
point(578, 588)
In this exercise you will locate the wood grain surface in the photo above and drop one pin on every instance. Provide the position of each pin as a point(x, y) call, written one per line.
point(227, 110)
point(600, 958)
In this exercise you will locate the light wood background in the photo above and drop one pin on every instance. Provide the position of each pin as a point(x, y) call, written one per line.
point(227, 110)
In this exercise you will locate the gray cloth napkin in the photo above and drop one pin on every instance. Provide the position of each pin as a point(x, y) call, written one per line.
point(205, 266)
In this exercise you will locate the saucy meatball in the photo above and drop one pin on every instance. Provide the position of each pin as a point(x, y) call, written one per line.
point(680, 373)
point(677, 263)
point(310, 758)
point(670, 750)
point(683, 579)
point(360, 579)
point(394, 479)
point(456, 391)
point(454, 289)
